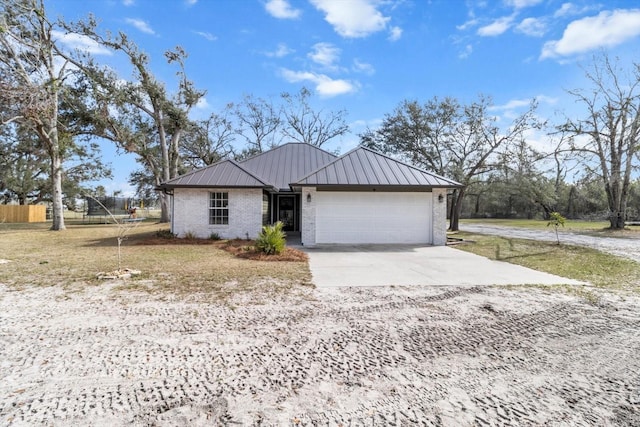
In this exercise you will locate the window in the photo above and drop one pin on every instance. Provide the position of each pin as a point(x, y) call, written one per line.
point(218, 208)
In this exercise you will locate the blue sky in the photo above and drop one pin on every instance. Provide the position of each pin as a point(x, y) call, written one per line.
point(366, 56)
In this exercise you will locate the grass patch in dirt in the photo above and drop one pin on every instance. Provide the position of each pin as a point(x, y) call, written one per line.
point(74, 256)
point(575, 262)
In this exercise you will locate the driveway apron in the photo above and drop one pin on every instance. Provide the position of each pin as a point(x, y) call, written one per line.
point(401, 265)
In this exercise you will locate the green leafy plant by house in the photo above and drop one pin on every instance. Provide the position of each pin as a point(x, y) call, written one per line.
point(271, 239)
point(556, 220)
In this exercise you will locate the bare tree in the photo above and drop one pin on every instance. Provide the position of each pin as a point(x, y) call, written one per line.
point(608, 137)
point(260, 123)
point(304, 124)
point(208, 141)
point(460, 141)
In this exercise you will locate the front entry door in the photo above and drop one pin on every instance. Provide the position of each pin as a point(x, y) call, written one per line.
point(287, 212)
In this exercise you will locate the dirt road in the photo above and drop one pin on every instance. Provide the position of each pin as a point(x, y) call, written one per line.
point(342, 356)
point(624, 247)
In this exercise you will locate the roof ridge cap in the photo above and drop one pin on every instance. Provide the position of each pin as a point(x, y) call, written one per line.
point(277, 147)
point(337, 158)
point(253, 175)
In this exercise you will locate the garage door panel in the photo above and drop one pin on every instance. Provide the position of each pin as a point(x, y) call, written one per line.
point(373, 217)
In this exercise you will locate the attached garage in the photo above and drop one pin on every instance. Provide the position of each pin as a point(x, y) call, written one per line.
point(365, 197)
point(360, 217)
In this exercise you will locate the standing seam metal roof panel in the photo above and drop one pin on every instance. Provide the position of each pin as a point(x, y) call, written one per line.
point(383, 171)
point(225, 173)
point(366, 167)
point(286, 163)
point(358, 166)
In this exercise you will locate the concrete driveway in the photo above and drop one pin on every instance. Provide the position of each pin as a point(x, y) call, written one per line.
point(373, 265)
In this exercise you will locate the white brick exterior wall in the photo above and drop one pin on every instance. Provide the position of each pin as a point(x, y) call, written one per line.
point(191, 213)
point(308, 217)
point(439, 216)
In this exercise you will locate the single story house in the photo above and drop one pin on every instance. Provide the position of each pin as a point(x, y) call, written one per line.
point(360, 197)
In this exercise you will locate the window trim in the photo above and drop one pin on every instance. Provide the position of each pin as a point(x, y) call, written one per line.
point(218, 208)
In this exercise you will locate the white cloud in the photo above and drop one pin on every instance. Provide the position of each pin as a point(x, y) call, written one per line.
point(128, 2)
point(190, 2)
point(324, 54)
point(203, 104)
point(325, 85)
point(571, 9)
point(520, 4)
point(354, 18)
point(544, 99)
point(607, 29)
point(395, 33)
point(82, 43)
point(470, 23)
point(280, 52)
point(140, 25)
point(565, 9)
point(363, 67)
point(281, 9)
point(516, 104)
point(511, 105)
point(206, 35)
point(468, 50)
point(497, 27)
point(532, 27)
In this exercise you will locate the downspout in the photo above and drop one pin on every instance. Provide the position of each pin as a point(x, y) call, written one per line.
point(172, 212)
point(169, 193)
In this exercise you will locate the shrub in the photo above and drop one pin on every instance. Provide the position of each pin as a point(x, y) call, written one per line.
point(190, 235)
point(214, 236)
point(271, 239)
point(556, 220)
point(165, 234)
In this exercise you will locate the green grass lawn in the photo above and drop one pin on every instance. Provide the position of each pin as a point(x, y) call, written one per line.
point(600, 228)
point(574, 262)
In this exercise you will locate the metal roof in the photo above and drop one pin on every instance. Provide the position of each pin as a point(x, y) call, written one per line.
point(286, 163)
point(363, 166)
point(283, 167)
point(225, 173)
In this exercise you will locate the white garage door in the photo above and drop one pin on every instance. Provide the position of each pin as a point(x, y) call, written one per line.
point(373, 217)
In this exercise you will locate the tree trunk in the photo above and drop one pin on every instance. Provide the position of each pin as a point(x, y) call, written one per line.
point(165, 206)
point(570, 203)
point(56, 177)
point(617, 204)
point(456, 209)
point(616, 220)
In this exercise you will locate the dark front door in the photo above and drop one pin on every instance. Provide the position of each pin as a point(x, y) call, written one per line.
point(287, 212)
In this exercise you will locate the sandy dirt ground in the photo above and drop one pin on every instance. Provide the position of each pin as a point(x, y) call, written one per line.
point(343, 356)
